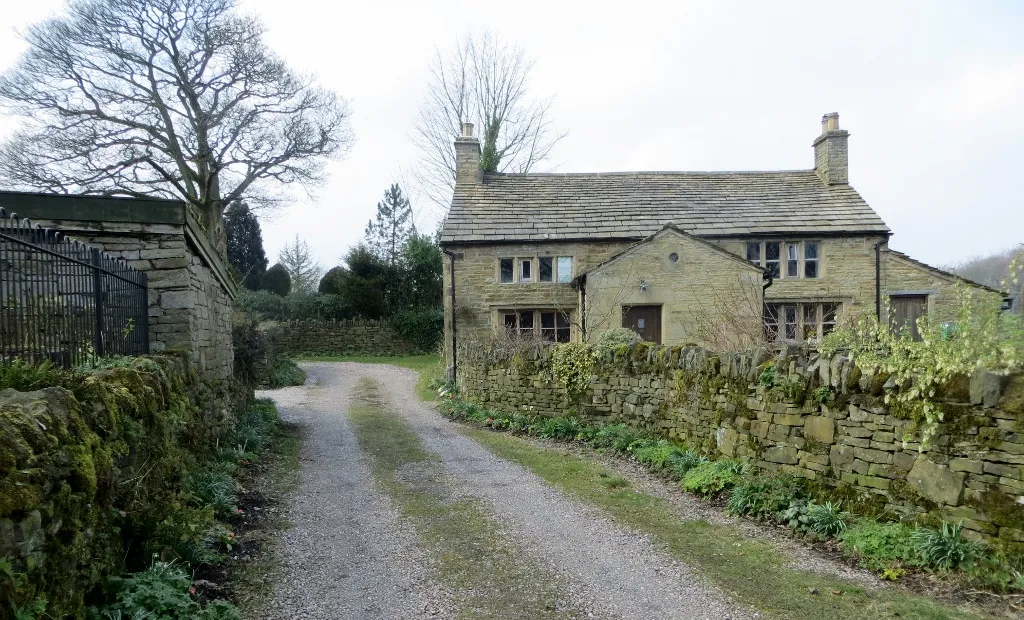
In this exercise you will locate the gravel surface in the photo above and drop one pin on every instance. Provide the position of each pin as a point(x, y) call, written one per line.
point(344, 527)
point(348, 555)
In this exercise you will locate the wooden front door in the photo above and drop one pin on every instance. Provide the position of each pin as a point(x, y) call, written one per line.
point(644, 320)
point(905, 310)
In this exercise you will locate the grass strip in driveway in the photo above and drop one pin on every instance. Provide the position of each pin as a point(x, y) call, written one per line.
point(487, 574)
point(754, 571)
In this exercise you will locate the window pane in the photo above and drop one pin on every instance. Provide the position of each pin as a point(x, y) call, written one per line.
point(565, 269)
point(771, 322)
point(829, 312)
point(547, 320)
point(754, 252)
point(811, 249)
point(563, 320)
point(526, 322)
point(510, 321)
point(562, 334)
point(792, 261)
point(791, 322)
point(506, 269)
point(545, 268)
point(811, 269)
point(771, 259)
point(525, 270)
point(810, 313)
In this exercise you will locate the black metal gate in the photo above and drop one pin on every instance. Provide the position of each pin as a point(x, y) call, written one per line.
point(66, 302)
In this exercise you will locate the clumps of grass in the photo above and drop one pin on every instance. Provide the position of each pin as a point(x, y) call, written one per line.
point(613, 482)
point(826, 519)
point(945, 548)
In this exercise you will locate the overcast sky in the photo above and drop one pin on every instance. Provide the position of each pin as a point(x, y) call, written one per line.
point(931, 92)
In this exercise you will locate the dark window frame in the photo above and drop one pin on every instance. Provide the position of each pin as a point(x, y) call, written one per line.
point(511, 270)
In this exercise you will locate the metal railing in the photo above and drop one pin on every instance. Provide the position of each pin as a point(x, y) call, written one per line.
point(64, 301)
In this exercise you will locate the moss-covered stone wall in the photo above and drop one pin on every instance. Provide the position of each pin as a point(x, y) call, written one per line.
point(90, 466)
point(817, 417)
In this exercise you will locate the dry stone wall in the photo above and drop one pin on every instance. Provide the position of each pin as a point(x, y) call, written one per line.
point(344, 337)
point(822, 418)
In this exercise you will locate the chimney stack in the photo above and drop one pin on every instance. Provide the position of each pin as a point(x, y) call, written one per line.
point(831, 151)
point(467, 157)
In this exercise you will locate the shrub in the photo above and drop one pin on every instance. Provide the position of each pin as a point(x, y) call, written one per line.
point(161, 592)
point(656, 454)
point(945, 548)
point(826, 519)
point(423, 327)
point(618, 437)
point(767, 376)
point(763, 497)
point(616, 337)
point(712, 477)
point(333, 282)
point(795, 515)
point(878, 546)
point(268, 306)
point(558, 428)
point(276, 280)
point(572, 365)
point(284, 373)
point(250, 346)
point(187, 534)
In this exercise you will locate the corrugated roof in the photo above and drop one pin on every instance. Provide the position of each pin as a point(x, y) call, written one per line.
point(539, 207)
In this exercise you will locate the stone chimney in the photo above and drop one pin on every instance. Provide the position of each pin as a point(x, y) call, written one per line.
point(831, 151)
point(467, 157)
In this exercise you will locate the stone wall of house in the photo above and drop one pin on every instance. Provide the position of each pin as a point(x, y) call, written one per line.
point(345, 337)
point(811, 416)
point(479, 295)
point(900, 275)
point(189, 308)
point(706, 295)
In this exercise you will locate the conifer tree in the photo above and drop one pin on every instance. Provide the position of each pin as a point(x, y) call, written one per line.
point(305, 272)
point(386, 236)
point(245, 244)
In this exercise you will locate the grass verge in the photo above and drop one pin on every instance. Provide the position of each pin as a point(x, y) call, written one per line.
point(274, 478)
point(487, 574)
point(429, 367)
point(754, 571)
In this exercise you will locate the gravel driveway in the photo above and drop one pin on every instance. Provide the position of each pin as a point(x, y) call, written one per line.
point(351, 556)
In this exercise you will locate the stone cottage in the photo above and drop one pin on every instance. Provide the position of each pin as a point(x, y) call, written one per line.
point(677, 256)
point(190, 287)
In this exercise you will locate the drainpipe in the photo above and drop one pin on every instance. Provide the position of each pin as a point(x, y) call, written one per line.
point(878, 280)
point(583, 307)
point(455, 351)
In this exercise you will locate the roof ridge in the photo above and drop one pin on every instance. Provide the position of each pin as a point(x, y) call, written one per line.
point(519, 175)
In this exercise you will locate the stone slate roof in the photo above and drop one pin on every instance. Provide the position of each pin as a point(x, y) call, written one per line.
point(633, 205)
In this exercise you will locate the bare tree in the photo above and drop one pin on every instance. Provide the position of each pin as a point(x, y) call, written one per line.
point(302, 267)
point(485, 81)
point(168, 98)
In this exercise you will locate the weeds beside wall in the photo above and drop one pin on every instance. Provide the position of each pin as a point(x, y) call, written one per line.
point(818, 417)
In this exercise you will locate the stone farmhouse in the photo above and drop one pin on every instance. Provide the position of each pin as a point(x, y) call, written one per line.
point(677, 256)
